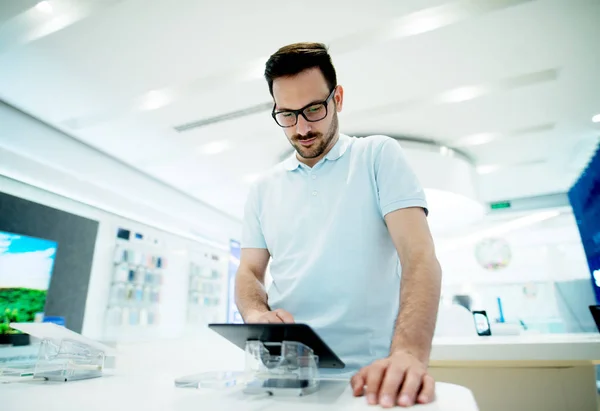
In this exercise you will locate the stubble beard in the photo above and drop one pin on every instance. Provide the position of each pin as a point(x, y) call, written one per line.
point(322, 142)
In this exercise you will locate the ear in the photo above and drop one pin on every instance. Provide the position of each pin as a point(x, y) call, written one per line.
point(339, 98)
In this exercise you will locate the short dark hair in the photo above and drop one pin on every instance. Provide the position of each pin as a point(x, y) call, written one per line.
point(295, 58)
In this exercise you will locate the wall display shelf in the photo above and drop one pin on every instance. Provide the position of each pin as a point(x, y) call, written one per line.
point(206, 292)
point(136, 284)
point(162, 286)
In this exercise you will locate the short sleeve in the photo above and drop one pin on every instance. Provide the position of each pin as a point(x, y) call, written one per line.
point(397, 184)
point(252, 234)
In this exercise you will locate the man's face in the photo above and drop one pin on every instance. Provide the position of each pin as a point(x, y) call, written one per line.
point(310, 139)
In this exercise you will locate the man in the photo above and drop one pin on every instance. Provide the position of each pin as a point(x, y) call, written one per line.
point(334, 218)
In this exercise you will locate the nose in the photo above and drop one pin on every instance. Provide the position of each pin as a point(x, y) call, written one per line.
point(303, 126)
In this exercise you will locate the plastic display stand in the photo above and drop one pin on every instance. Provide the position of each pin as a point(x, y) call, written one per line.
point(288, 368)
point(64, 355)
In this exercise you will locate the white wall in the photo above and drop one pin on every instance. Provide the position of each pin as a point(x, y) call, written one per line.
point(550, 250)
point(542, 254)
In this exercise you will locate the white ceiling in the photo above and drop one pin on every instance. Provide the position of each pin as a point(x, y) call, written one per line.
point(120, 74)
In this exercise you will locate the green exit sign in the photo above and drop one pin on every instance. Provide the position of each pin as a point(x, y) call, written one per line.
point(500, 205)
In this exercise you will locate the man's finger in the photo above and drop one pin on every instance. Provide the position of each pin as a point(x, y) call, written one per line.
point(375, 373)
point(427, 390)
point(394, 376)
point(285, 316)
point(358, 384)
point(410, 388)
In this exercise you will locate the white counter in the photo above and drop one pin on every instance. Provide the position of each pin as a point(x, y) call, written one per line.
point(547, 348)
point(526, 372)
point(144, 380)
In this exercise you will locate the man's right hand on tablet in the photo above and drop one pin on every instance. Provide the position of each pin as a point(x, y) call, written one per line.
point(270, 317)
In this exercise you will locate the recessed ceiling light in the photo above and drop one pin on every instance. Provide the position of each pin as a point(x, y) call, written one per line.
point(215, 147)
point(476, 139)
point(596, 118)
point(487, 169)
point(155, 99)
point(462, 94)
point(420, 23)
point(44, 7)
point(447, 152)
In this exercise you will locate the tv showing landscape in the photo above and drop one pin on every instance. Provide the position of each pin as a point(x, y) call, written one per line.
point(26, 265)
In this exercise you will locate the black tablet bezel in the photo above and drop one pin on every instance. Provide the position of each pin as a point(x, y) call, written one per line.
point(238, 334)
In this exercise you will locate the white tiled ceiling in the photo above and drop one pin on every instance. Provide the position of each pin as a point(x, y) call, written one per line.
point(192, 60)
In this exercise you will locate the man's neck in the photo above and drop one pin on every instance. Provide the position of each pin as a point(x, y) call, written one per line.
point(312, 161)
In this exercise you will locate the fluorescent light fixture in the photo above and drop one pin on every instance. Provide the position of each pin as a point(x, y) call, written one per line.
point(596, 118)
point(487, 169)
point(155, 99)
point(214, 147)
point(44, 7)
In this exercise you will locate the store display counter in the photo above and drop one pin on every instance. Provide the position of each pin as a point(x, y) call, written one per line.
point(526, 372)
point(144, 380)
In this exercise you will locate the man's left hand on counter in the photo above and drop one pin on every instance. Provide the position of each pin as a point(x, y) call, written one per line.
point(400, 379)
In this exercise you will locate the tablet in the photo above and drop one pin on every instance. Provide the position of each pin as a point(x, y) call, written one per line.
point(302, 333)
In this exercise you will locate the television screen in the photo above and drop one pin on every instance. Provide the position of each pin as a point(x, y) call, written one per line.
point(26, 265)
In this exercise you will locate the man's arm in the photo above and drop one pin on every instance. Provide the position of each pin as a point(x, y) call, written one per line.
point(250, 292)
point(420, 284)
point(402, 377)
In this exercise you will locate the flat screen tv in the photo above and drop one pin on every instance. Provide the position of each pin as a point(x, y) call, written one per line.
point(26, 265)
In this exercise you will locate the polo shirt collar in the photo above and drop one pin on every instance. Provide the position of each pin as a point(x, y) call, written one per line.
point(338, 150)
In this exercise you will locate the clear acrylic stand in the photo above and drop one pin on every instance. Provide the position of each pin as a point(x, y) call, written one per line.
point(68, 360)
point(287, 368)
point(65, 355)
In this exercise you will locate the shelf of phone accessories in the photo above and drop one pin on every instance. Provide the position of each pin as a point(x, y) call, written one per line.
point(135, 288)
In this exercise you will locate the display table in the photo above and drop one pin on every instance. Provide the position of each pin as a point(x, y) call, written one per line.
point(527, 372)
point(144, 380)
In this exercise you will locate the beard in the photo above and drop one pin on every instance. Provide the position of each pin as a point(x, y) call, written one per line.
point(320, 144)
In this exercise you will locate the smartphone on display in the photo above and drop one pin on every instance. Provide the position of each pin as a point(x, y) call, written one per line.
point(285, 383)
point(482, 324)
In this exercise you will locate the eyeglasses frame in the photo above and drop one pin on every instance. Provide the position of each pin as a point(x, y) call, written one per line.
point(301, 110)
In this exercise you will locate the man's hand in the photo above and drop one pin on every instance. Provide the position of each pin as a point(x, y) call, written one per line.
point(400, 379)
point(271, 317)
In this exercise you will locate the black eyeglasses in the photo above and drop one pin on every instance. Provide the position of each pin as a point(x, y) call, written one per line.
point(312, 112)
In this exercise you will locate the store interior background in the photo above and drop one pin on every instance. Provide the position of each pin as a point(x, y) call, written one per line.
point(155, 120)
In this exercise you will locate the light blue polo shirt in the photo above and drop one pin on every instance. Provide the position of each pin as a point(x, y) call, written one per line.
point(334, 265)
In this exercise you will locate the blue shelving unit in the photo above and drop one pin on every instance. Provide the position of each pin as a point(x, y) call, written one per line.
point(585, 200)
